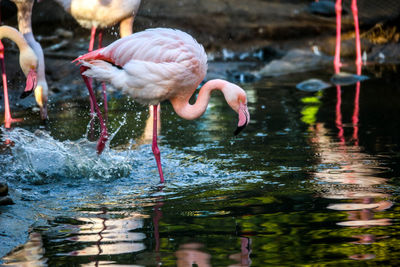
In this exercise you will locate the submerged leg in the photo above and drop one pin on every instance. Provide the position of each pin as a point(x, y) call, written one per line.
point(156, 151)
point(7, 113)
point(103, 134)
point(336, 61)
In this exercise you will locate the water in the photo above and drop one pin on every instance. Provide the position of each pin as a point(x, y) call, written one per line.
point(313, 180)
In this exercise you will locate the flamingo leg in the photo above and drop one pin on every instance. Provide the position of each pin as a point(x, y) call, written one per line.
point(357, 37)
point(7, 113)
point(336, 61)
point(91, 45)
point(92, 38)
point(103, 84)
point(155, 149)
point(104, 134)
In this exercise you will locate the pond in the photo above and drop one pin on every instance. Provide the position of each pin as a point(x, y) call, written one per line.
point(312, 180)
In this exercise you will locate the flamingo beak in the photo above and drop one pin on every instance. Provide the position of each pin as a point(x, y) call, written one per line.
point(244, 118)
point(41, 102)
point(31, 82)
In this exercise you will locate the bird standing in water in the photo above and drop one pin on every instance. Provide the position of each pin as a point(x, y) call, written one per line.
point(28, 62)
point(156, 65)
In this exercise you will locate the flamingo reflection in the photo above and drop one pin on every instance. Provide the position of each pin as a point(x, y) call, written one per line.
point(109, 236)
point(354, 177)
point(243, 257)
point(29, 254)
point(189, 254)
point(157, 215)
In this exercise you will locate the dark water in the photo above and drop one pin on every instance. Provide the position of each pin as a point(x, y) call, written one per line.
point(313, 180)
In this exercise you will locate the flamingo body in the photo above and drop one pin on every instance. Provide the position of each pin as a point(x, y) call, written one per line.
point(100, 13)
point(105, 14)
point(156, 65)
point(151, 66)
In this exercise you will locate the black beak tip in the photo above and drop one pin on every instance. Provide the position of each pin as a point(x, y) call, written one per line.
point(25, 94)
point(239, 129)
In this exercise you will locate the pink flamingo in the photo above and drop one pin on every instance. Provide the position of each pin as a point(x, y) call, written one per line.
point(25, 27)
point(338, 8)
point(156, 65)
point(28, 62)
point(93, 14)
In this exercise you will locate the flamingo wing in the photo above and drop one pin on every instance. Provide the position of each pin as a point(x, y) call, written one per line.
point(151, 66)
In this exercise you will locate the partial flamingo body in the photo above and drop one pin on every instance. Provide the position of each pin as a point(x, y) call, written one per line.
point(162, 64)
point(28, 62)
point(25, 27)
point(100, 13)
point(94, 14)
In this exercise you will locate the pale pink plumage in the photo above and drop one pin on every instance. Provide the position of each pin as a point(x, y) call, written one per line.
point(160, 64)
point(100, 13)
point(156, 64)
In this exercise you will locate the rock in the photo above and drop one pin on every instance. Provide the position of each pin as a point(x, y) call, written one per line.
point(3, 189)
point(6, 200)
point(343, 78)
point(295, 60)
point(323, 7)
point(312, 85)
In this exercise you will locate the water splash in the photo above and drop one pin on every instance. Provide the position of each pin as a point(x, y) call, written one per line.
point(38, 157)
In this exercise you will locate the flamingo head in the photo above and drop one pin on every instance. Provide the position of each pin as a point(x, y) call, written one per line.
point(237, 99)
point(29, 62)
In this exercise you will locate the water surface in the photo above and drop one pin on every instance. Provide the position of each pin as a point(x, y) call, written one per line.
point(313, 180)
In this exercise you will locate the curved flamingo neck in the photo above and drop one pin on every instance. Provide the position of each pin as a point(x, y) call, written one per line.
point(190, 112)
point(13, 35)
point(24, 16)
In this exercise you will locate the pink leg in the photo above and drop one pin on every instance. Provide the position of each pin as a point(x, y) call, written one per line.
point(92, 38)
point(336, 62)
point(357, 33)
point(103, 83)
point(100, 39)
point(91, 45)
point(156, 151)
point(7, 113)
point(104, 134)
